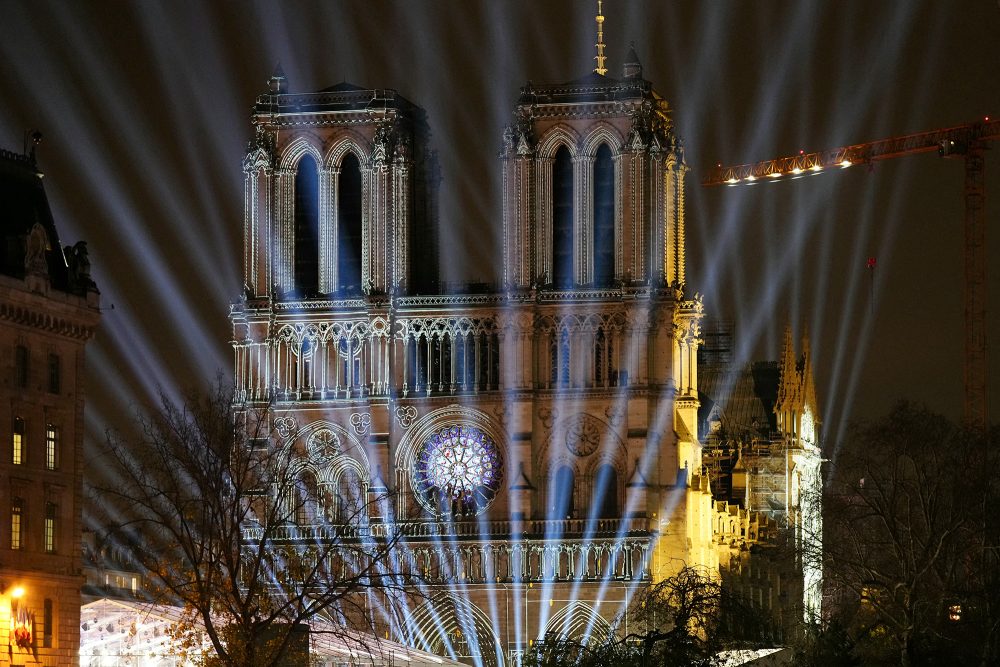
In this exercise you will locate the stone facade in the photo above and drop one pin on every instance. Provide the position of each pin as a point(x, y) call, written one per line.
point(760, 425)
point(49, 309)
point(539, 440)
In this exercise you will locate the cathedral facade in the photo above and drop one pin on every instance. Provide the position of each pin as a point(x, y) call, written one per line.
point(538, 441)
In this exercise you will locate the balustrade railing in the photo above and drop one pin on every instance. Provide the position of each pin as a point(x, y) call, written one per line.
point(512, 558)
point(539, 529)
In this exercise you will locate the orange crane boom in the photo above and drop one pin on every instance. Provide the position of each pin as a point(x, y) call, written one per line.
point(966, 141)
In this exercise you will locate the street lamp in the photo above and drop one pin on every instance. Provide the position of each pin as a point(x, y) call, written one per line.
point(20, 621)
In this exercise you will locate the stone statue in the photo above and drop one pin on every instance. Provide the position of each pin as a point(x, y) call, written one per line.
point(37, 243)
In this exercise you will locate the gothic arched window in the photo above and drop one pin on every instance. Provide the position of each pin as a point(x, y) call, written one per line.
point(307, 227)
point(604, 217)
point(349, 225)
point(306, 500)
point(457, 472)
point(606, 492)
point(561, 494)
point(350, 497)
point(562, 219)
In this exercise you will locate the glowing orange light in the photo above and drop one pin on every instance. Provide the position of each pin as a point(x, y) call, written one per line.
point(845, 163)
point(751, 178)
point(816, 167)
point(17, 592)
point(774, 174)
point(732, 180)
point(796, 171)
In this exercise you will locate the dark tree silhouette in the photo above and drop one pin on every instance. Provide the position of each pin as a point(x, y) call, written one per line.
point(210, 504)
point(910, 542)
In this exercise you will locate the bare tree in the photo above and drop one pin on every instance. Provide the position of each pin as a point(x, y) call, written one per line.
point(216, 512)
point(907, 546)
point(685, 620)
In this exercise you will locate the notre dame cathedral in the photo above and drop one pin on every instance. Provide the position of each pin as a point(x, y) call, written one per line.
point(539, 440)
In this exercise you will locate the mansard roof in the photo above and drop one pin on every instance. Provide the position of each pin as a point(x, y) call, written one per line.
point(23, 203)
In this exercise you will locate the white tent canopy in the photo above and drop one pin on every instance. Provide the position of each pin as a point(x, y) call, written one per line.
point(120, 633)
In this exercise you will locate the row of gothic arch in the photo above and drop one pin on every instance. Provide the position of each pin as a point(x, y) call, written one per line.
point(333, 473)
point(335, 187)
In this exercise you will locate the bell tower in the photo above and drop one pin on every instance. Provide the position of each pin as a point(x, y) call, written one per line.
point(338, 194)
point(593, 185)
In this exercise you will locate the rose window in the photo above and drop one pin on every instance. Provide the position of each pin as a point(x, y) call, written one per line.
point(457, 471)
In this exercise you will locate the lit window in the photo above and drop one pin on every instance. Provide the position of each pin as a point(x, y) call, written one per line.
point(135, 585)
point(458, 471)
point(17, 448)
point(51, 509)
point(21, 366)
point(55, 376)
point(16, 522)
point(51, 447)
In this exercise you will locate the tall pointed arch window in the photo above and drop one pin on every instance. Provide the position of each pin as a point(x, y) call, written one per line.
point(350, 497)
point(307, 507)
point(604, 217)
point(349, 225)
point(307, 227)
point(606, 492)
point(561, 493)
point(562, 219)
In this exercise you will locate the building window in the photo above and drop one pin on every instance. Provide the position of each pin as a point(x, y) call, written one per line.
point(306, 501)
point(51, 447)
point(55, 375)
point(17, 442)
point(457, 471)
point(562, 219)
point(349, 225)
point(350, 502)
point(21, 366)
point(307, 227)
point(16, 522)
point(51, 510)
point(559, 352)
point(561, 494)
point(604, 217)
point(606, 492)
point(47, 624)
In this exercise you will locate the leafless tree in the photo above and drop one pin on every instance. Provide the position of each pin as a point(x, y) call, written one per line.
point(685, 620)
point(213, 508)
point(907, 538)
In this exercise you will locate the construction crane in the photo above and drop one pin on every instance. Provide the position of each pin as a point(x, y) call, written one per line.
point(964, 141)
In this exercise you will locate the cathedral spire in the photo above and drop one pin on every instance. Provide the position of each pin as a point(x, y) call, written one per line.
point(600, 58)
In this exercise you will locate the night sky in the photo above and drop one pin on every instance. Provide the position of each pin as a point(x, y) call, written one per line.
point(145, 106)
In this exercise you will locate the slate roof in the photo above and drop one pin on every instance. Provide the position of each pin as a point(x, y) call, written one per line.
point(744, 398)
point(23, 203)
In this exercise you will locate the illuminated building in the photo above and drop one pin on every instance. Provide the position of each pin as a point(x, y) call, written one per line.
point(539, 440)
point(760, 426)
point(49, 308)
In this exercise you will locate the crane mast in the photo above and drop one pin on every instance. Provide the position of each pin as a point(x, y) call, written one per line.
point(964, 141)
